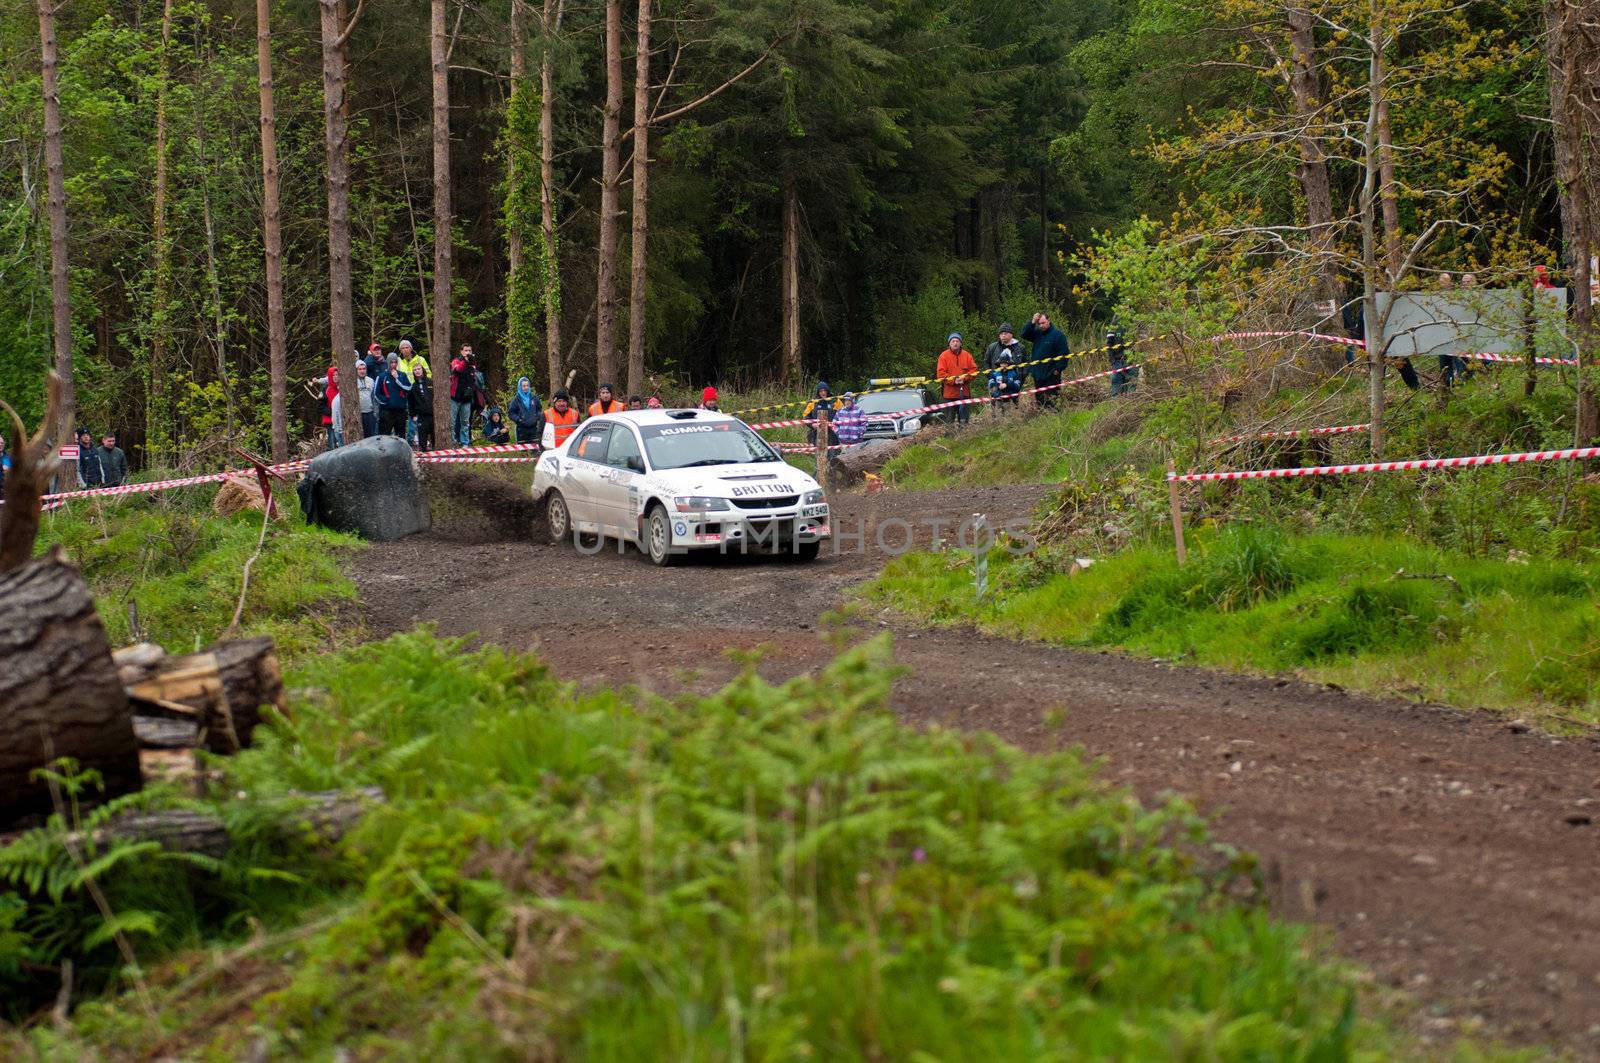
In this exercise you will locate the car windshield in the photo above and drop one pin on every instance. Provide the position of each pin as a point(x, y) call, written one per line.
point(889, 401)
point(690, 445)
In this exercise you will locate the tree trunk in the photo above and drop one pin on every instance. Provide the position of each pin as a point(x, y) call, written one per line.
point(213, 270)
point(158, 415)
point(1371, 271)
point(59, 691)
point(327, 815)
point(1305, 82)
point(641, 181)
point(272, 237)
point(443, 217)
point(1573, 67)
point(605, 339)
point(519, 77)
point(336, 113)
point(56, 208)
point(792, 368)
point(223, 689)
point(550, 25)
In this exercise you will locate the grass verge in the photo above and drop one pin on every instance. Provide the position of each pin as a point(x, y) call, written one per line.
point(1386, 616)
point(769, 872)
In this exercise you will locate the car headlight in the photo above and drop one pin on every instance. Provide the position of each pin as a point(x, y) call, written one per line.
point(698, 503)
point(812, 498)
point(910, 424)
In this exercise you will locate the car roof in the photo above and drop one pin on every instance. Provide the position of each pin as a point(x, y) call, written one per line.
point(645, 418)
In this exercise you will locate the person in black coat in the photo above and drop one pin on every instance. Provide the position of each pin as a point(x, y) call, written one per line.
point(526, 412)
point(422, 405)
point(89, 472)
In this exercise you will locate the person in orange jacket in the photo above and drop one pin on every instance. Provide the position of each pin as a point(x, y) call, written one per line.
point(606, 403)
point(956, 368)
point(561, 416)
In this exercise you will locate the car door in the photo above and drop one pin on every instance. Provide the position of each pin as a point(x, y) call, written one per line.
point(581, 475)
point(618, 492)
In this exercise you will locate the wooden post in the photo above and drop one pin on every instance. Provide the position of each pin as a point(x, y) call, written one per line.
point(1177, 512)
point(821, 414)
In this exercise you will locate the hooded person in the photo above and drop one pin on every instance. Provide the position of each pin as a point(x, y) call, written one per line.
point(411, 359)
point(391, 393)
point(526, 412)
point(821, 404)
point(956, 369)
point(849, 420)
point(496, 429)
point(327, 395)
point(363, 390)
point(708, 398)
point(562, 418)
point(606, 403)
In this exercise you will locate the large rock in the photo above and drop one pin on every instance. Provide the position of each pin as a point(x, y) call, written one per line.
point(370, 488)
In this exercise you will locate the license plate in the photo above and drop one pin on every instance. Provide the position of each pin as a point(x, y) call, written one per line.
point(815, 511)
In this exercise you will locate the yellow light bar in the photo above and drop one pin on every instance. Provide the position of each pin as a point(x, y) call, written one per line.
point(896, 381)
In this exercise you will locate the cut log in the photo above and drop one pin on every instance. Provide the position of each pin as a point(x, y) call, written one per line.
point(326, 816)
point(155, 732)
point(225, 687)
point(59, 691)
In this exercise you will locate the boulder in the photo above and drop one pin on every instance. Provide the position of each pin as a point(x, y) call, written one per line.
point(370, 488)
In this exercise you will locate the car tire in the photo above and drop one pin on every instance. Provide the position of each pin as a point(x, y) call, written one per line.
point(806, 551)
point(658, 538)
point(557, 517)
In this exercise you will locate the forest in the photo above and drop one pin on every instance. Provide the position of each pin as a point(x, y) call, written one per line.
point(753, 193)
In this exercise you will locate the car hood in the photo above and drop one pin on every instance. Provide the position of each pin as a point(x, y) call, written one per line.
point(726, 481)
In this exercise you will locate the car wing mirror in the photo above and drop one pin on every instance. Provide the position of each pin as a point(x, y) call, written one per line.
point(636, 464)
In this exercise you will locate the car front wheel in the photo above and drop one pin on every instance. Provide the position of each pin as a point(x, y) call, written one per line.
point(658, 538)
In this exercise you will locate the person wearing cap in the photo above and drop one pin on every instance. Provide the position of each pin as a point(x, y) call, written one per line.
point(822, 404)
point(708, 398)
point(410, 358)
point(561, 416)
point(374, 361)
point(956, 368)
point(391, 393)
point(1001, 359)
point(89, 471)
point(113, 462)
point(849, 421)
point(526, 412)
point(606, 403)
point(1050, 354)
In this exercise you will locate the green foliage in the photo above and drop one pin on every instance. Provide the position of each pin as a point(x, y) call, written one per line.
point(1372, 613)
point(769, 871)
point(180, 564)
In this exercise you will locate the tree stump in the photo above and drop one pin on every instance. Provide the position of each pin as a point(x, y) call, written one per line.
point(59, 691)
point(221, 691)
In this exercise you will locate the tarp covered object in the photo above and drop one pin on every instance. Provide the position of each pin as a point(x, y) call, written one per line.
point(370, 488)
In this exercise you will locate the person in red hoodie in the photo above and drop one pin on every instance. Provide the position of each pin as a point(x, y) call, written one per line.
point(326, 393)
point(956, 368)
point(708, 398)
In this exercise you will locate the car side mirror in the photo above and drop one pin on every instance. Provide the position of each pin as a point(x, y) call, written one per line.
point(635, 463)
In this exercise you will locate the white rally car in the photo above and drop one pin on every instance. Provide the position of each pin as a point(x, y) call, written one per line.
point(677, 480)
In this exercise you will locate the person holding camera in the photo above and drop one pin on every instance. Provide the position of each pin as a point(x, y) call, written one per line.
point(1050, 354)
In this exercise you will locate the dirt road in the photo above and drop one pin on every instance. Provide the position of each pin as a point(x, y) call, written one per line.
point(1453, 855)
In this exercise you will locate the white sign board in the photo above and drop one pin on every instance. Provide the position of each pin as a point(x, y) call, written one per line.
point(69, 452)
point(1472, 320)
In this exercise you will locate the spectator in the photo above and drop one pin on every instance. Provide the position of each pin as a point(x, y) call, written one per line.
point(1117, 354)
point(410, 360)
point(526, 412)
point(1050, 353)
point(1541, 278)
point(463, 395)
point(90, 473)
point(391, 394)
point(635, 402)
point(1469, 280)
point(561, 416)
point(495, 428)
point(606, 403)
point(708, 399)
point(654, 403)
point(1001, 359)
point(113, 462)
point(422, 403)
point(956, 368)
point(850, 421)
point(369, 419)
point(374, 361)
point(327, 395)
point(1447, 283)
point(818, 407)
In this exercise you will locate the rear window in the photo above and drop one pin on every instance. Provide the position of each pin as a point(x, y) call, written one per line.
point(687, 445)
point(890, 401)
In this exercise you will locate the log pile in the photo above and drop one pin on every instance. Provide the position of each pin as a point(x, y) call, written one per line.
point(64, 693)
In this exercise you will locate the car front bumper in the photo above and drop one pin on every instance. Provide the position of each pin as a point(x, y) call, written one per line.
point(779, 529)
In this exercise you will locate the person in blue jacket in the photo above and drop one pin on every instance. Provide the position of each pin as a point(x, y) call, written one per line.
point(526, 412)
point(1050, 353)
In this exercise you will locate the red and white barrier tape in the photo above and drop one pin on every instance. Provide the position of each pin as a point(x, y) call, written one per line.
point(443, 457)
point(498, 448)
point(1347, 341)
point(1292, 433)
point(1391, 466)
